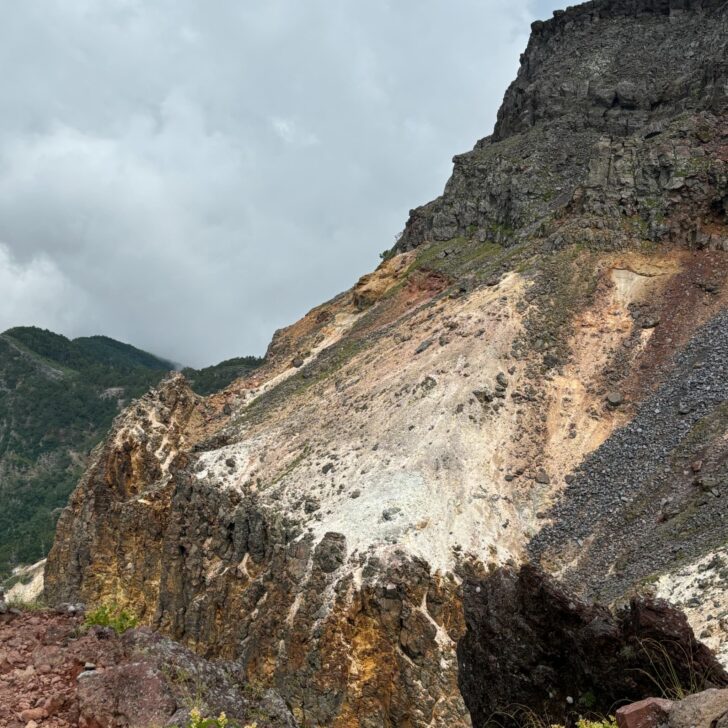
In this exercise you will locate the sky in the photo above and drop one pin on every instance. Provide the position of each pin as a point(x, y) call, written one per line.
point(189, 176)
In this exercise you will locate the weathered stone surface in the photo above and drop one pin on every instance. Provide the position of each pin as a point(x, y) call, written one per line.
point(530, 643)
point(647, 713)
point(129, 696)
point(702, 710)
point(633, 133)
point(65, 675)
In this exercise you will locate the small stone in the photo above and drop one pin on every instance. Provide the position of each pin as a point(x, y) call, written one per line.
point(423, 346)
point(54, 703)
point(389, 514)
point(34, 714)
point(327, 468)
point(614, 399)
point(650, 323)
point(355, 493)
point(311, 506)
point(709, 286)
point(484, 396)
point(542, 477)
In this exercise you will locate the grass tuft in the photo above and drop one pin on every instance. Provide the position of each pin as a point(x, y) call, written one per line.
point(113, 616)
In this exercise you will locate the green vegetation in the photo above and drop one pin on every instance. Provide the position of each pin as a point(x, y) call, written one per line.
point(387, 254)
point(197, 721)
point(213, 379)
point(34, 605)
point(120, 620)
point(664, 673)
point(528, 718)
point(609, 722)
point(58, 398)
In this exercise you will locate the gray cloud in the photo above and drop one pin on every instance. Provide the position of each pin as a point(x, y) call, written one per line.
point(190, 176)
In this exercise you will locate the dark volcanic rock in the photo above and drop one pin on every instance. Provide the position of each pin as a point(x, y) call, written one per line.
point(616, 113)
point(531, 644)
point(636, 498)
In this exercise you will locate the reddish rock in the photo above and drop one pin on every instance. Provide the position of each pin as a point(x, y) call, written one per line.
point(34, 714)
point(54, 703)
point(648, 713)
point(134, 695)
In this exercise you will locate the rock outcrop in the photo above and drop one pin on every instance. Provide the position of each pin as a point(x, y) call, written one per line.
point(458, 412)
point(704, 709)
point(56, 673)
point(529, 644)
point(602, 136)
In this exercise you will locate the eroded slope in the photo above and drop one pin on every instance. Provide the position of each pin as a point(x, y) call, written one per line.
point(319, 519)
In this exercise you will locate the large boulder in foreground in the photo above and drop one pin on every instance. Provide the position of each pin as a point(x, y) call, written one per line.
point(530, 643)
point(707, 709)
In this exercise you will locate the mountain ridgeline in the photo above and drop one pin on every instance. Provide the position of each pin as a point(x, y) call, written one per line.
point(402, 516)
point(58, 398)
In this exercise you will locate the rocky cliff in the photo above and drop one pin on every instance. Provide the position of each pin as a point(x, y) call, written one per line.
point(58, 398)
point(536, 374)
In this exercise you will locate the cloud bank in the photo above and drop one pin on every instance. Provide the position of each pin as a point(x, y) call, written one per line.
point(190, 176)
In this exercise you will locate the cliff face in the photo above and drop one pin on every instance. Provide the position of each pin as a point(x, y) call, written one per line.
point(612, 123)
point(331, 521)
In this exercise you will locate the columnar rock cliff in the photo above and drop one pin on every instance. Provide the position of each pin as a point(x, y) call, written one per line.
point(536, 374)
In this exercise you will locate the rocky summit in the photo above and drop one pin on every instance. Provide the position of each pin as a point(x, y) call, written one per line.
point(404, 516)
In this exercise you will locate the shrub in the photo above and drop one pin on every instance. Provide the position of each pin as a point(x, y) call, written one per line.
point(609, 722)
point(387, 254)
point(120, 620)
point(197, 721)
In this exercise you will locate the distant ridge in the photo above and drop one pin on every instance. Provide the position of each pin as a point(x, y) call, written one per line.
point(58, 397)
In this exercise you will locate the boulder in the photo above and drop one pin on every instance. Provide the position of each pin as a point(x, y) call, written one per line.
point(648, 713)
point(702, 710)
point(132, 695)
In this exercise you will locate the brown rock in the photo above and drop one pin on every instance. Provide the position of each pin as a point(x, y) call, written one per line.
point(702, 710)
point(133, 695)
point(34, 714)
point(648, 713)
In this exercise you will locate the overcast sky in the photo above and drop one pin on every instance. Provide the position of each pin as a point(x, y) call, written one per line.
point(189, 176)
